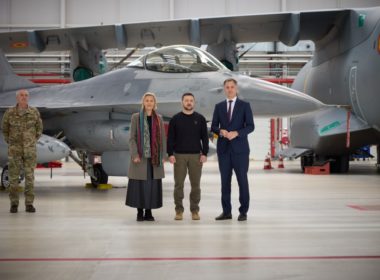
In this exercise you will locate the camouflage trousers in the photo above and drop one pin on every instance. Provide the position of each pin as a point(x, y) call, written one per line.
point(17, 163)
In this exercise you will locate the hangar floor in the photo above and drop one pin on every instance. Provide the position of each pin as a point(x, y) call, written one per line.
point(299, 227)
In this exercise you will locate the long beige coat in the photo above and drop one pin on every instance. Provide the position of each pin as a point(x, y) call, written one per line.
point(138, 171)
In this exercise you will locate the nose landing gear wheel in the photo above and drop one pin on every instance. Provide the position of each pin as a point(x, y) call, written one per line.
point(100, 174)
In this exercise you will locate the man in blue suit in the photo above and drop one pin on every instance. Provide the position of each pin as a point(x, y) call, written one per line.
point(233, 121)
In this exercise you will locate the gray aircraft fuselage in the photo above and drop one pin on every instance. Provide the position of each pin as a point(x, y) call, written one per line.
point(345, 71)
point(94, 114)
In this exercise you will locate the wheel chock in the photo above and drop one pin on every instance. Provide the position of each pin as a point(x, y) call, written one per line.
point(104, 187)
point(323, 169)
point(99, 187)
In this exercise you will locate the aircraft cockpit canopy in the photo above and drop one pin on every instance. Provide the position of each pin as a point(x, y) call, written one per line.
point(178, 59)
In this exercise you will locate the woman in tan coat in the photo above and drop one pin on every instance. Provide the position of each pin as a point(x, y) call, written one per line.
point(147, 144)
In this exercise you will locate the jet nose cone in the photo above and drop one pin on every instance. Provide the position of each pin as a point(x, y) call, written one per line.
point(269, 99)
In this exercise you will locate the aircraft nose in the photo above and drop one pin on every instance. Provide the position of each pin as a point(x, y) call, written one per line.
point(269, 99)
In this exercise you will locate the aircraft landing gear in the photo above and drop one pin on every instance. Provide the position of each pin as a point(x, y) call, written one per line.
point(306, 160)
point(95, 170)
point(340, 164)
point(99, 176)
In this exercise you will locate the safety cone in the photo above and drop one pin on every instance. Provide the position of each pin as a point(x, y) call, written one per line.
point(281, 162)
point(267, 163)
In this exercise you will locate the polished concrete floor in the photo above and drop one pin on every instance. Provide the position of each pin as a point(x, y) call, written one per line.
point(299, 227)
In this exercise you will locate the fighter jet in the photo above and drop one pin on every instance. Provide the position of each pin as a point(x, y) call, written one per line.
point(343, 72)
point(94, 114)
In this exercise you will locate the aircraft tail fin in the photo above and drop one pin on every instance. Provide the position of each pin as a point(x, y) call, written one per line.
point(9, 81)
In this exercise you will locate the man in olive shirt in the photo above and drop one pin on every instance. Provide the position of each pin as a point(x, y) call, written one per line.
point(22, 126)
point(187, 150)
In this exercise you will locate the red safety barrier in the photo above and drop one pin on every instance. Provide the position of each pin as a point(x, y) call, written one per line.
point(52, 164)
point(279, 80)
point(51, 81)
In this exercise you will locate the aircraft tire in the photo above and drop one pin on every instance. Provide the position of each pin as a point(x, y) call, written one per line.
point(306, 161)
point(101, 175)
point(340, 164)
point(5, 177)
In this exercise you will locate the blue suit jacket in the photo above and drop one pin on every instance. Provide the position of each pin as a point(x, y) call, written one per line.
point(241, 121)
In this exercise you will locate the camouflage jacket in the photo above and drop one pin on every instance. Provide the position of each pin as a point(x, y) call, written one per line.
point(22, 130)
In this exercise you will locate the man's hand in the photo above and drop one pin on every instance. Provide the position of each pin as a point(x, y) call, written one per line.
point(223, 132)
point(137, 159)
point(203, 159)
point(172, 159)
point(232, 135)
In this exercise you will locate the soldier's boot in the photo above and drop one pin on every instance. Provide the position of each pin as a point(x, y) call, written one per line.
point(30, 209)
point(14, 208)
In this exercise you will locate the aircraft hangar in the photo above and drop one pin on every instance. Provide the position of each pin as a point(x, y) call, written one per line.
point(308, 69)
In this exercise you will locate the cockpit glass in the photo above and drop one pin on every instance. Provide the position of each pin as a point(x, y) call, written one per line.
point(181, 59)
point(138, 63)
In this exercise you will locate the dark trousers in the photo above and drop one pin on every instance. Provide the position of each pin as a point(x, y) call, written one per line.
point(229, 161)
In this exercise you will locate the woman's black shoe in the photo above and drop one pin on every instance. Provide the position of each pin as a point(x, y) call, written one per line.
point(148, 215)
point(140, 215)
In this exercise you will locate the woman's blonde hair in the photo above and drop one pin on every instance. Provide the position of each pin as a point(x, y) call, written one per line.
point(149, 94)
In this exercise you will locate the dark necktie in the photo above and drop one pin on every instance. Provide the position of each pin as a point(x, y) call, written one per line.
point(229, 112)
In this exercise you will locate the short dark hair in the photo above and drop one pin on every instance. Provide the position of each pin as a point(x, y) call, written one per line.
point(230, 80)
point(187, 94)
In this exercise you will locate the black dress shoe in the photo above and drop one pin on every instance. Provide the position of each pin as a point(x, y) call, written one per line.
point(223, 216)
point(148, 215)
point(30, 209)
point(14, 209)
point(242, 217)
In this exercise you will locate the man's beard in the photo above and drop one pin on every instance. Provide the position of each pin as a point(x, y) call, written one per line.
point(188, 108)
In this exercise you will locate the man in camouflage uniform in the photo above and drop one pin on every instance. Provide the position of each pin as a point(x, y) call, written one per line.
point(22, 126)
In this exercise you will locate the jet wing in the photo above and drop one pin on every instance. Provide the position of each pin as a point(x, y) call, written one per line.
point(285, 27)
